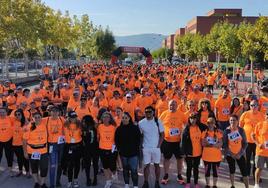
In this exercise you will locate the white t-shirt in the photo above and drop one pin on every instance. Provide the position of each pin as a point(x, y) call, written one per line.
point(150, 132)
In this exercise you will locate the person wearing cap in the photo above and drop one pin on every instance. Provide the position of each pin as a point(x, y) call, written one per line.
point(56, 142)
point(192, 149)
point(261, 140)
point(82, 109)
point(73, 148)
point(128, 105)
point(222, 109)
point(36, 150)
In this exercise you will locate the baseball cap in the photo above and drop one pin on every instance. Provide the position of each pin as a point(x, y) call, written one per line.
point(128, 95)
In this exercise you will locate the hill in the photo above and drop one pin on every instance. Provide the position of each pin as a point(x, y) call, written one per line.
point(149, 41)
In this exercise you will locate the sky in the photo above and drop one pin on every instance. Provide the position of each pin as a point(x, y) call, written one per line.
point(129, 17)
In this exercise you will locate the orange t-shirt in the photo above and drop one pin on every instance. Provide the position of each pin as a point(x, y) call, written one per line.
point(235, 141)
point(223, 109)
point(6, 129)
point(72, 134)
point(261, 132)
point(106, 136)
point(263, 103)
point(195, 136)
point(143, 102)
point(54, 128)
point(18, 131)
point(173, 125)
point(114, 103)
point(161, 106)
point(211, 154)
point(36, 137)
point(81, 112)
point(204, 117)
point(129, 107)
point(248, 122)
point(11, 101)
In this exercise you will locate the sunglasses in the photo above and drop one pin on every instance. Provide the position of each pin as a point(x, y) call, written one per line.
point(253, 105)
point(148, 112)
point(17, 114)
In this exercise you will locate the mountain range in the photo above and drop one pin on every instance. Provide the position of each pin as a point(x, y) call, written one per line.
point(149, 41)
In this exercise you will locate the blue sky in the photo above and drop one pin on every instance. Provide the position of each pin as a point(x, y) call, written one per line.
point(127, 17)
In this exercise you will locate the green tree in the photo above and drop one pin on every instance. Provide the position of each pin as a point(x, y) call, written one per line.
point(103, 43)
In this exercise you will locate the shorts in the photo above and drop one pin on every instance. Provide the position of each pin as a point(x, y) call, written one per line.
point(151, 155)
point(108, 159)
point(260, 161)
point(171, 148)
point(39, 165)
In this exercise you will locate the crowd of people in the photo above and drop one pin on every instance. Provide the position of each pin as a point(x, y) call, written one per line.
point(128, 117)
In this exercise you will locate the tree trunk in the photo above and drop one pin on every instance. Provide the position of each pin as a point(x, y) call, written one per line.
point(6, 66)
point(227, 62)
point(26, 64)
point(251, 72)
point(234, 68)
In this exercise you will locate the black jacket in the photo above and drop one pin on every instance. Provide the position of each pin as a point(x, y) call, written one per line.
point(186, 143)
point(127, 140)
point(90, 141)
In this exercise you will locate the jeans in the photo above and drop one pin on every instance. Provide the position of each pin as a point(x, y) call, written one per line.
point(130, 164)
point(55, 157)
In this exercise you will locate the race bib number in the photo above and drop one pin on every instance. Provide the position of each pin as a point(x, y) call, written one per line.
point(211, 140)
point(174, 132)
point(36, 156)
point(50, 149)
point(61, 140)
point(234, 136)
point(226, 111)
point(72, 140)
point(266, 144)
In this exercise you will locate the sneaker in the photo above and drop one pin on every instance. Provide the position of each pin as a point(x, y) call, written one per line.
point(69, 185)
point(108, 184)
point(75, 184)
point(197, 186)
point(28, 175)
point(180, 179)
point(145, 184)
point(36, 185)
point(256, 186)
point(156, 185)
point(18, 174)
point(126, 185)
point(165, 179)
point(188, 185)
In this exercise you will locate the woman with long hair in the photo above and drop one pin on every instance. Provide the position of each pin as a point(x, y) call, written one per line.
point(73, 147)
point(204, 111)
point(192, 148)
point(127, 140)
point(108, 153)
point(236, 107)
point(90, 148)
point(19, 126)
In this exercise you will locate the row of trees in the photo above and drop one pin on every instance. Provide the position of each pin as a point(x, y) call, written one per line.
point(27, 25)
point(163, 53)
point(227, 40)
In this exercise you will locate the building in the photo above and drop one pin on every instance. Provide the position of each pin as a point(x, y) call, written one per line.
point(203, 24)
point(180, 32)
point(164, 43)
point(170, 41)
